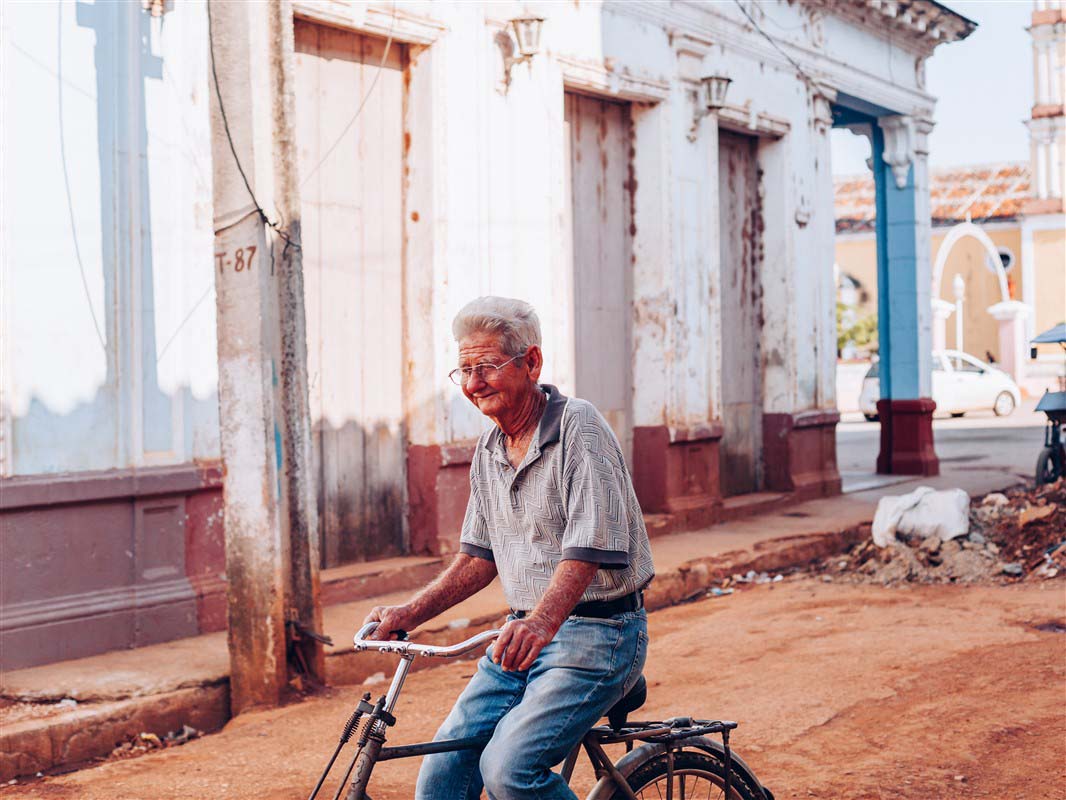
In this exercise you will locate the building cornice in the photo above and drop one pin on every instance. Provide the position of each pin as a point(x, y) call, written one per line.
point(925, 22)
point(689, 22)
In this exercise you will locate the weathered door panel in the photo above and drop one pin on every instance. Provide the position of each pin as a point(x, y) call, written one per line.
point(352, 208)
point(599, 163)
point(741, 254)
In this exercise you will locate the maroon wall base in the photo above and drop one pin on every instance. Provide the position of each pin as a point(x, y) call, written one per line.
point(800, 453)
point(675, 472)
point(438, 488)
point(99, 561)
point(907, 437)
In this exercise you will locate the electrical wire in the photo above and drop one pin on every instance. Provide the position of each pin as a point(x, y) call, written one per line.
point(362, 103)
point(807, 78)
point(66, 182)
point(233, 148)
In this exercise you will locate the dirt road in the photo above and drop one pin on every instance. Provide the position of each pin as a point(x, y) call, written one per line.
point(842, 691)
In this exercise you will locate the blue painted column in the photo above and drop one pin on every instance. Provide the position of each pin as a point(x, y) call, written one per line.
point(904, 286)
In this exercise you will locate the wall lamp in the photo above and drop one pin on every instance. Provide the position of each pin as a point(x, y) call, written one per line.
point(526, 33)
point(710, 96)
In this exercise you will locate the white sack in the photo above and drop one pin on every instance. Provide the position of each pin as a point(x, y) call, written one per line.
point(922, 513)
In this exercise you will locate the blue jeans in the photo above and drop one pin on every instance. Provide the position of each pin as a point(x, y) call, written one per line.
point(536, 717)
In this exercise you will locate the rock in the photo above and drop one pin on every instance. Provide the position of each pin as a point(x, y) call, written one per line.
point(931, 544)
point(977, 538)
point(995, 499)
point(950, 548)
point(827, 578)
point(1012, 569)
point(1032, 514)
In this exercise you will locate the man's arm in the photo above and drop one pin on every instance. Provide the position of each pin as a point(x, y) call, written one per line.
point(466, 576)
point(522, 639)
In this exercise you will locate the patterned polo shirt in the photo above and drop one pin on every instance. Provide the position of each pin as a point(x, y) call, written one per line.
point(571, 498)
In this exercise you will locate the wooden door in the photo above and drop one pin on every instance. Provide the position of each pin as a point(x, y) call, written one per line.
point(351, 175)
point(740, 234)
point(598, 161)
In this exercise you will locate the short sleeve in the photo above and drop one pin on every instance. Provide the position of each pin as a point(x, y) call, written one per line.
point(474, 539)
point(597, 526)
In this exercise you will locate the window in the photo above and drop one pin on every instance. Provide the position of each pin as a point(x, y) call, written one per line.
point(1006, 258)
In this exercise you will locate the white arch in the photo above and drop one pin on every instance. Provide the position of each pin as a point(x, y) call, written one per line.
point(960, 231)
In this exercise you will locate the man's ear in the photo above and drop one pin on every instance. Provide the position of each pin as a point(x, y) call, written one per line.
point(534, 361)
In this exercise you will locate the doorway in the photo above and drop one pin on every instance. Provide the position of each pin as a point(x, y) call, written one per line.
point(740, 233)
point(351, 175)
point(597, 140)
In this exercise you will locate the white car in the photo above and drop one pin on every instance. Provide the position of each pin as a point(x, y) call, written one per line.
point(961, 383)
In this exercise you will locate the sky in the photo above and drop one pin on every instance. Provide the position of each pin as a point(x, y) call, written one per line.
point(984, 91)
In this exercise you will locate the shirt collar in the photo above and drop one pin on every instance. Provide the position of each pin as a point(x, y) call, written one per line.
point(547, 429)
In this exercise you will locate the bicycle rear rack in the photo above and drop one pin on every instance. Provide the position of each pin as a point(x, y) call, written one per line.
point(671, 732)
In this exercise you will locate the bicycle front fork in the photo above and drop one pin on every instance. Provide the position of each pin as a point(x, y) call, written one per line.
point(371, 739)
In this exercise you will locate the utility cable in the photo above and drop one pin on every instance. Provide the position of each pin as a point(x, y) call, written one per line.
point(807, 78)
point(66, 182)
point(362, 103)
point(233, 148)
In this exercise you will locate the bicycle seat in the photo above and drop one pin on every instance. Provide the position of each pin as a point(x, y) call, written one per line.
point(632, 700)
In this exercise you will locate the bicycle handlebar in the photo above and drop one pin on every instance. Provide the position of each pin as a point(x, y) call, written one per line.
point(403, 648)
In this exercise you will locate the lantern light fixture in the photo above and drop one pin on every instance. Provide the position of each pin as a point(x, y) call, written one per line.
point(714, 89)
point(525, 32)
point(708, 98)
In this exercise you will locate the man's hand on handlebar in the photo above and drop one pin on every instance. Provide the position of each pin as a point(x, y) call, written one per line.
point(389, 619)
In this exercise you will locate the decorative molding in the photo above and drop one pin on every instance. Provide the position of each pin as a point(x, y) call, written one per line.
point(691, 25)
point(380, 20)
point(744, 119)
point(604, 79)
point(899, 146)
point(927, 23)
point(70, 607)
point(68, 488)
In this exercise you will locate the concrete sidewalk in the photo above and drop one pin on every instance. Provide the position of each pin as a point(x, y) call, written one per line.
point(163, 687)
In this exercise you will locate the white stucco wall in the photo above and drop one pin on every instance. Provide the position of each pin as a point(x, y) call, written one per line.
point(108, 318)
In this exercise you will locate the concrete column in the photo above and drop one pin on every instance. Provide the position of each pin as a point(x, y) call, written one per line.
point(269, 494)
point(904, 303)
point(1011, 316)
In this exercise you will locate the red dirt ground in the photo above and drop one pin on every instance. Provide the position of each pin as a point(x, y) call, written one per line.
point(842, 691)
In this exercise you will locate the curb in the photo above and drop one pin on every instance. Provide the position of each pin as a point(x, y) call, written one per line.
point(92, 731)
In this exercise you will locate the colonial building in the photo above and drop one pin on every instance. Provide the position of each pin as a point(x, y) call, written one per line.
point(654, 177)
point(998, 243)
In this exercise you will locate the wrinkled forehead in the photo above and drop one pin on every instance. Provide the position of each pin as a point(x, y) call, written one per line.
point(481, 346)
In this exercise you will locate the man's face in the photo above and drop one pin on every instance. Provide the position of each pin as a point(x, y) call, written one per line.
point(499, 395)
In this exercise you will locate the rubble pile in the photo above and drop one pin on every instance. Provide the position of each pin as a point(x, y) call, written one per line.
point(1029, 527)
point(1011, 536)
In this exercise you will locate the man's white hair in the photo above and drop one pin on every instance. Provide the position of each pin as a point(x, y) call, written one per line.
point(514, 321)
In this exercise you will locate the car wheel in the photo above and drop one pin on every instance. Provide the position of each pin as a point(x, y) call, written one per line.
point(957, 414)
point(871, 417)
point(1004, 404)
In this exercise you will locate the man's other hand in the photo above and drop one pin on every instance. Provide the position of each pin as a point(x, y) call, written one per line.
point(521, 641)
point(389, 619)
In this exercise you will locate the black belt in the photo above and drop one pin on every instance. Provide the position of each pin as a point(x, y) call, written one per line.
point(602, 609)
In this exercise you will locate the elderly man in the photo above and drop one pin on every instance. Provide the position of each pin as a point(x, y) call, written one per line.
point(552, 512)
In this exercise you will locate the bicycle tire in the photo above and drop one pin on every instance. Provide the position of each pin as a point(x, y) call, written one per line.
point(1047, 471)
point(704, 767)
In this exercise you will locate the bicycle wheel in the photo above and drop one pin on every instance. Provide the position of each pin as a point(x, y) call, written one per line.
point(697, 776)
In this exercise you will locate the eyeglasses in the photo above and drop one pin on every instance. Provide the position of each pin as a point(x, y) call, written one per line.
point(484, 370)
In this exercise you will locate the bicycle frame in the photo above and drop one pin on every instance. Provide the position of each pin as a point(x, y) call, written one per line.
point(672, 733)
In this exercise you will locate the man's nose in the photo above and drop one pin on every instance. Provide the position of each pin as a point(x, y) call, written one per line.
point(475, 381)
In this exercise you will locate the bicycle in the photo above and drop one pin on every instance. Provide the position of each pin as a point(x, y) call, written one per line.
point(675, 757)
